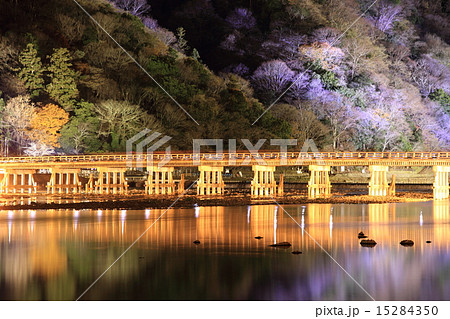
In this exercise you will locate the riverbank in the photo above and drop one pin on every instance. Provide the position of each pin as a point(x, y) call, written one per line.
point(139, 201)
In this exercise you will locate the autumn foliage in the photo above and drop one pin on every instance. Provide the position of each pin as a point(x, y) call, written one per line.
point(46, 123)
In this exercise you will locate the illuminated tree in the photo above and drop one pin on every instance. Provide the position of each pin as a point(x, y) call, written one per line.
point(45, 125)
point(31, 70)
point(17, 117)
point(359, 52)
point(241, 18)
point(272, 78)
point(38, 149)
point(120, 120)
point(62, 87)
point(81, 132)
point(135, 7)
point(384, 15)
point(322, 53)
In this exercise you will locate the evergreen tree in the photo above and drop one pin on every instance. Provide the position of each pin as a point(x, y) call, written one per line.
point(31, 71)
point(62, 87)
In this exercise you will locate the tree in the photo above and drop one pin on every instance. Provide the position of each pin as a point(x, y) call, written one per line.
point(120, 120)
point(72, 29)
point(81, 132)
point(304, 123)
point(323, 54)
point(45, 125)
point(31, 70)
point(135, 7)
point(62, 87)
point(338, 114)
point(442, 98)
point(241, 18)
point(181, 40)
point(358, 51)
point(38, 149)
point(17, 116)
point(8, 54)
point(384, 15)
point(272, 78)
point(428, 74)
point(326, 35)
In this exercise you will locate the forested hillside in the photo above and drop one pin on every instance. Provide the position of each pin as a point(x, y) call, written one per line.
point(52, 56)
point(379, 82)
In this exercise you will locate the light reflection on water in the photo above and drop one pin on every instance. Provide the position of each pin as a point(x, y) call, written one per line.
point(57, 254)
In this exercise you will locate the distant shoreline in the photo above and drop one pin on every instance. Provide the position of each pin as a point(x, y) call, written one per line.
point(138, 202)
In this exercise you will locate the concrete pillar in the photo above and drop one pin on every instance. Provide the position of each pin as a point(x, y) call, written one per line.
point(319, 182)
point(210, 181)
point(378, 185)
point(441, 185)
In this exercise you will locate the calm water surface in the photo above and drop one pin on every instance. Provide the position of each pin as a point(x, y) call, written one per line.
point(57, 254)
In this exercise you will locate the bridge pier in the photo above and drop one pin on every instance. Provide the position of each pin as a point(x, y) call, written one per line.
point(378, 185)
point(319, 184)
point(440, 185)
point(210, 181)
point(160, 181)
point(64, 180)
point(111, 181)
point(18, 180)
point(181, 185)
point(263, 183)
point(280, 189)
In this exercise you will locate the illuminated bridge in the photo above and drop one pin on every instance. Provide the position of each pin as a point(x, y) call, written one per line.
point(18, 172)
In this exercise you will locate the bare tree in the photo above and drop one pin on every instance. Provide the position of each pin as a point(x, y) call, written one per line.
point(72, 29)
point(384, 15)
point(135, 7)
point(357, 51)
point(272, 77)
point(17, 116)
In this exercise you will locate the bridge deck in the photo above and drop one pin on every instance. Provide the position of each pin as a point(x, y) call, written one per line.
point(182, 159)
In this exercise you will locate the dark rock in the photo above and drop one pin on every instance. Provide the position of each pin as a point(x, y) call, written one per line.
point(258, 237)
point(368, 243)
point(197, 242)
point(428, 241)
point(282, 244)
point(361, 235)
point(407, 242)
point(296, 252)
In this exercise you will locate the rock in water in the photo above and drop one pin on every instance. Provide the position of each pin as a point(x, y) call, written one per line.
point(258, 237)
point(361, 235)
point(196, 242)
point(407, 242)
point(368, 243)
point(296, 252)
point(282, 244)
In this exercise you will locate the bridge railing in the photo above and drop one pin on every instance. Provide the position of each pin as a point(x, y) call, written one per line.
point(230, 156)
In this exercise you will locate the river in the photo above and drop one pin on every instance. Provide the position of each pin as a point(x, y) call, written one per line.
point(58, 254)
